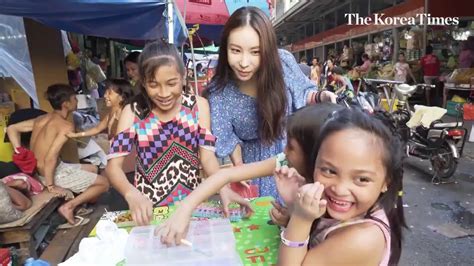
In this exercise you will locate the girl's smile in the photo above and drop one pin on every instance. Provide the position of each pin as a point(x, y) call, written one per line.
point(165, 90)
point(338, 205)
point(350, 168)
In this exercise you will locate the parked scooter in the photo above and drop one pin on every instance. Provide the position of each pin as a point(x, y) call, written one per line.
point(441, 143)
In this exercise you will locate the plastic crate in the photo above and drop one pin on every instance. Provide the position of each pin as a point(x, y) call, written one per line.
point(451, 107)
point(468, 111)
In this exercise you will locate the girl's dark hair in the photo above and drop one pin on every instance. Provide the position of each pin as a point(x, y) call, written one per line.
point(154, 56)
point(123, 88)
point(132, 57)
point(271, 91)
point(383, 127)
point(304, 126)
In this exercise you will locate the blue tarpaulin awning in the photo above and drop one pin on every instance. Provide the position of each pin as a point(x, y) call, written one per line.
point(121, 19)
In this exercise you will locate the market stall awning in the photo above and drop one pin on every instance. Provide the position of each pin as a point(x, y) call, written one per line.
point(212, 15)
point(122, 19)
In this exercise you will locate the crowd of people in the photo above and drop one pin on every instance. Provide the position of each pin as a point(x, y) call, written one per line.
point(430, 66)
point(282, 132)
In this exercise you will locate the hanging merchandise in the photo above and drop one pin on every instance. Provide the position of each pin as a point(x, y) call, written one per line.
point(94, 75)
point(95, 71)
point(73, 69)
point(414, 43)
point(347, 55)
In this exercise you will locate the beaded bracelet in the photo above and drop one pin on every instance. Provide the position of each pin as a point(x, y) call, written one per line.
point(293, 244)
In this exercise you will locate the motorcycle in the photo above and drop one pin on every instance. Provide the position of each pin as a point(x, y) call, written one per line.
point(441, 143)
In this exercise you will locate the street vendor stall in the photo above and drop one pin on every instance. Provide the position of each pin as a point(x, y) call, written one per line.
point(255, 240)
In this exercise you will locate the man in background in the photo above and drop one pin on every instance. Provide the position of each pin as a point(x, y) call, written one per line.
point(430, 65)
point(48, 137)
point(305, 68)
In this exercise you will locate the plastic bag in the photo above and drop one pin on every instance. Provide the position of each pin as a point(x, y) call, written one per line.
point(95, 72)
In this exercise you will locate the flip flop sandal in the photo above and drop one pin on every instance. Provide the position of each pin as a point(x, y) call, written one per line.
point(84, 211)
point(81, 221)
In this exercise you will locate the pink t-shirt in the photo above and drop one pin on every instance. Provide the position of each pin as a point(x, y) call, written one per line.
point(401, 71)
point(327, 225)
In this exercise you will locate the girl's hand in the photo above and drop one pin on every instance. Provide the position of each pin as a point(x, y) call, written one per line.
point(72, 135)
point(288, 180)
point(176, 226)
point(309, 205)
point(280, 215)
point(228, 196)
point(140, 206)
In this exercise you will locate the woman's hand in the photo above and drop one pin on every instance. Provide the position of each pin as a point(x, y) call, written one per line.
point(280, 215)
point(288, 181)
point(309, 205)
point(176, 226)
point(228, 196)
point(140, 206)
point(327, 96)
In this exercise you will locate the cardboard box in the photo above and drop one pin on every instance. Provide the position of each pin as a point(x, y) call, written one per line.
point(20, 98)
point(6, 109)
point(6, 149)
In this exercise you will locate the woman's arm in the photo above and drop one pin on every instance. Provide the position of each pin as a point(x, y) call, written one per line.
point(92, 131)
point(215, 182)
point(174, 229)
point(211, 165)
point(236, 156)
point(208, 158)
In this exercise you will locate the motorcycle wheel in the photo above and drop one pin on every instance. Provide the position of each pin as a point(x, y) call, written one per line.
point(443, 162)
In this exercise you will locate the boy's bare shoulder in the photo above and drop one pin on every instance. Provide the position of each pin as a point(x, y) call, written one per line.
point(57, 123)
point(66, 127)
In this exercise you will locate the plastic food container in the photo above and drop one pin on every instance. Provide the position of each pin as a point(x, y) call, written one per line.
point(213, 244)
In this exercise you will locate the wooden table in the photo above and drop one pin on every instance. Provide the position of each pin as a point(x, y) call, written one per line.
point(24, 236)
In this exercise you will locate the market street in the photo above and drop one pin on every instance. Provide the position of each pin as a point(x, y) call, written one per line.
point(429, 206)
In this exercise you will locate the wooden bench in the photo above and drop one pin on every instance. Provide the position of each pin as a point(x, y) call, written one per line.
point(22, 232)
point(66, 242)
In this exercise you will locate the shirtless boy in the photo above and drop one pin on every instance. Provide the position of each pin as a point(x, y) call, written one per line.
point(48, 137)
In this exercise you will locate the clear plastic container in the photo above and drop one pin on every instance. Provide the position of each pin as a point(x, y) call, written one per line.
point(213, 244)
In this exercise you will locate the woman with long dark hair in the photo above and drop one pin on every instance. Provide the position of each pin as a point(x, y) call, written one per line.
point(255, 88)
